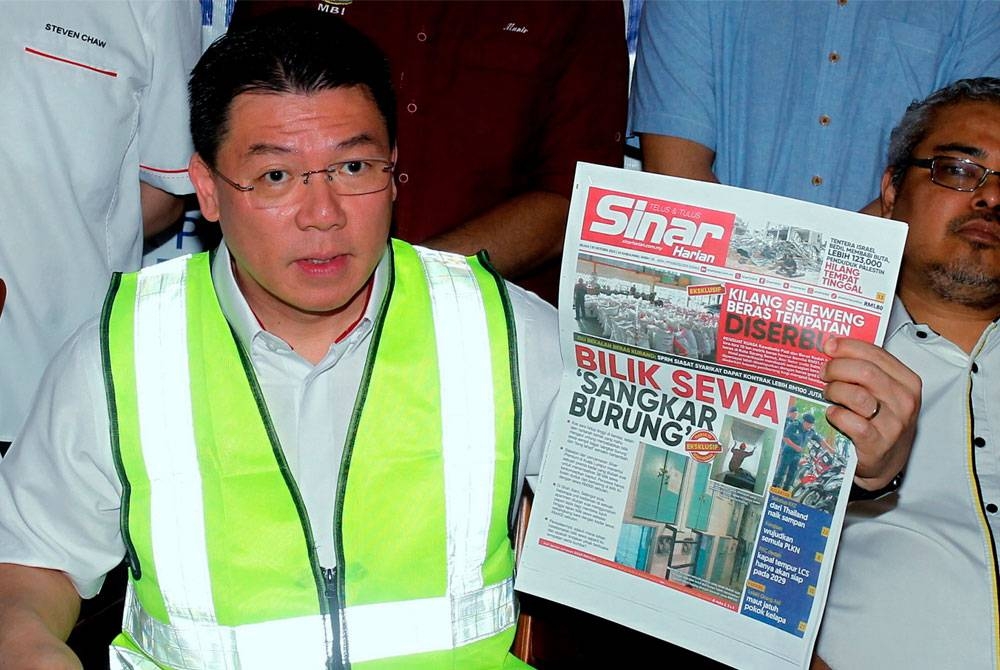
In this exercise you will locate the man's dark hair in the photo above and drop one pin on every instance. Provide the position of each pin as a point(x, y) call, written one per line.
point(919, 117)
point(291, 51)
point(808, 418)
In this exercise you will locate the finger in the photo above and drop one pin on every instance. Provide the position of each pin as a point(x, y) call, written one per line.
point(874, 403)
point(867, 384)
point(882, 441)
point(879, 460)
point(860, 378)
point(843, 350)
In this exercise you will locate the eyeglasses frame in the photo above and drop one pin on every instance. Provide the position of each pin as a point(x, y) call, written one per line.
point(388, 167)
point(928, 163)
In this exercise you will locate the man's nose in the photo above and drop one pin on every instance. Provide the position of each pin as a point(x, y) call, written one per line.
point(320, 207)
point(988, 195)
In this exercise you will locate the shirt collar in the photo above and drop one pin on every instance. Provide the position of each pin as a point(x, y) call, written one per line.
point(899, 318)
point(242, 320)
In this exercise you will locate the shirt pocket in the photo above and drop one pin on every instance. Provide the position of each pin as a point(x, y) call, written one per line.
point(77, 81)
point(908, 57)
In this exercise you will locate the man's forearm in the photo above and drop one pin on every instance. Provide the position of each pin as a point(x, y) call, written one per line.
point(38, 609)
point(676, 156)
point(520, 234)
point(160, 209)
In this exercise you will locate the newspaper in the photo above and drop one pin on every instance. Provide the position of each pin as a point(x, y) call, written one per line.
point(684, 492)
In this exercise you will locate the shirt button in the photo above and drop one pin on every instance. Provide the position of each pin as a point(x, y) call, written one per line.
point(841, 2)
point(403, 178)
point(421, 36)
point(817, 180)
point(833, 56)
point(991, 508)
point(979, 442)
point(922, 334)
point(412, 107)
point(824, 120)
point(975, 367)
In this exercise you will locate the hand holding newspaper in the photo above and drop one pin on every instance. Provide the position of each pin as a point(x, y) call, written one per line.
point(692, 487)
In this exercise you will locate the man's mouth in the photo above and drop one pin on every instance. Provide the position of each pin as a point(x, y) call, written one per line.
point(322, 264)
point(981, 229)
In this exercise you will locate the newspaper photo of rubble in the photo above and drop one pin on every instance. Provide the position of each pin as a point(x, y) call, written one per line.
point(777, 250)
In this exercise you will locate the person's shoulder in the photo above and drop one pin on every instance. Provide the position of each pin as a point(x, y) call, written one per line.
point(73, 382)
point(532, 312)
point(84, 344)
point(536, 326)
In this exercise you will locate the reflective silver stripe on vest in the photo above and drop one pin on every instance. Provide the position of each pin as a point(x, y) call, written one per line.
point(418, 625)
point(430, 624)
point(467, 413)
point(166, 428)
point(126, 659)
point(285, 643)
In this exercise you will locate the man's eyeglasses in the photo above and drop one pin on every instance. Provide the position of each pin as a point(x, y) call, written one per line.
point(276, 188)
point(959, 174)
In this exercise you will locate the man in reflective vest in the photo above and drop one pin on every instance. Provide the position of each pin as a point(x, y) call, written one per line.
point(308, 444)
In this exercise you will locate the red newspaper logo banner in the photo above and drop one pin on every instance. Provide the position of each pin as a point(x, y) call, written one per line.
point(658, 226)
point(783, 335)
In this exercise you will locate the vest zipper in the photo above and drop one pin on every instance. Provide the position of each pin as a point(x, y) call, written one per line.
point(335, 661)
point(335, 585)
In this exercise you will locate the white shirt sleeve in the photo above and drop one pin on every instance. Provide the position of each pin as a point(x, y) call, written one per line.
point(172, 34)
point(59, 491)
point(540, 367)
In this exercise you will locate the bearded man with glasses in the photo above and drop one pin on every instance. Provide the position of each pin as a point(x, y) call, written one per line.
point(307, 445)
point(916, 579)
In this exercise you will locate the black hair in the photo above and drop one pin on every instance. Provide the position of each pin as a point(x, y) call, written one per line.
point(918, 119)
point(290, 51)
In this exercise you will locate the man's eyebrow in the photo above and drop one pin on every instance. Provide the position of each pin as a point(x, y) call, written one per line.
point(959, 148)
point(264, 148)
point(361, 139)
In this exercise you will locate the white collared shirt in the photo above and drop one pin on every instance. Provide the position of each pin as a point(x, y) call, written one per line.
point(915, 583)
point(95, 101)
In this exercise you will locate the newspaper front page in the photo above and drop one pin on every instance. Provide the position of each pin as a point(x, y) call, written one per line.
point(692, 487)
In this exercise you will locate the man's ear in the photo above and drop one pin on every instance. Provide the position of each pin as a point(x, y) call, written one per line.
point(888, 197)
point(204, 186)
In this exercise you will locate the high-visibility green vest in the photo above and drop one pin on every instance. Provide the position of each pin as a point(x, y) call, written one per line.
point(223, 567)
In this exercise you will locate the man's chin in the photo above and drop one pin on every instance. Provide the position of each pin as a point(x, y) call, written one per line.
point(966, 282)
